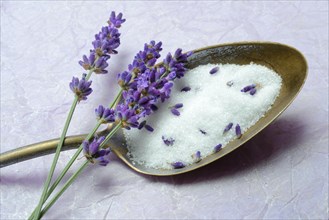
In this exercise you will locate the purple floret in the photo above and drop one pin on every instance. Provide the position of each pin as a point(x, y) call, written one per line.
point(185, 89)
point(175, 111)
point(94, 154)
point(238, 131)
point(105, 115)
point(228, 127)
point(81, 88)
point(217, 148)
point(178, 165)
point(248, 88)
point(214, 70)
point(253, 91)
point(196, 157)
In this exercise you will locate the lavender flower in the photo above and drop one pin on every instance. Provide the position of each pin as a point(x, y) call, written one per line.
point(116, 21)
point(100, 65)
point(81, 88)
point(145, 84)
point(168, 141)
point(196, 157)
point(94, 154)
point(105, 44)
point(87, 63)
point(238, 131)
point(217, 148)
point(253, 91)
point(105, 115)
point(174, 108)
point(178, 165)
point(214, 70)
point(228, 127)
point(185, 89)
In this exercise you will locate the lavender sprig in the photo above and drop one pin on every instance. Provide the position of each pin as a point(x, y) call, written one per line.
point(105, 44)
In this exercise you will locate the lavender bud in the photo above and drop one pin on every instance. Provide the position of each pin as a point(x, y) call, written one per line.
point(141, 125)
point(217, 148)
point(196, 157)
point(238, 131)
point(253, 91)
point(179, 105)
point(228, 127)
point(169, 141)
point(248, 88)
point(154, 107)
point(185, 89)
point(149, 128)
point(175, 111)
point(178, 165)
point(214, 70)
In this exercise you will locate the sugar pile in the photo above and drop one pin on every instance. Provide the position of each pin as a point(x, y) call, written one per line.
point(216, 97)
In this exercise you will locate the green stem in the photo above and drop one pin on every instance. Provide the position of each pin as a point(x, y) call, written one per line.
point(74, 176)
point(117, 99)
point(58, 150)
point(53, 166)
point(67, 167)
point(67, 184)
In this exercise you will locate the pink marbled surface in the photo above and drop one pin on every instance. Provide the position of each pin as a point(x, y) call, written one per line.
point(282, 173)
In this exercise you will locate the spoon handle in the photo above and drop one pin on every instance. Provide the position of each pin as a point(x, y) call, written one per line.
point(38, 149)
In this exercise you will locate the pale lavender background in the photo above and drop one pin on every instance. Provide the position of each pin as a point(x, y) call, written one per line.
point(282, 173)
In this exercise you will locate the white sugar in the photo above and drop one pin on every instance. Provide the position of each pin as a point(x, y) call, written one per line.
point(214, 101)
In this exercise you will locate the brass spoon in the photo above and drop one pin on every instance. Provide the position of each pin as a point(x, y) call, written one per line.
point(285, 60)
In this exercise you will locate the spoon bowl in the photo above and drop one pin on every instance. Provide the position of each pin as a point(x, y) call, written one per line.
point(288, 62)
